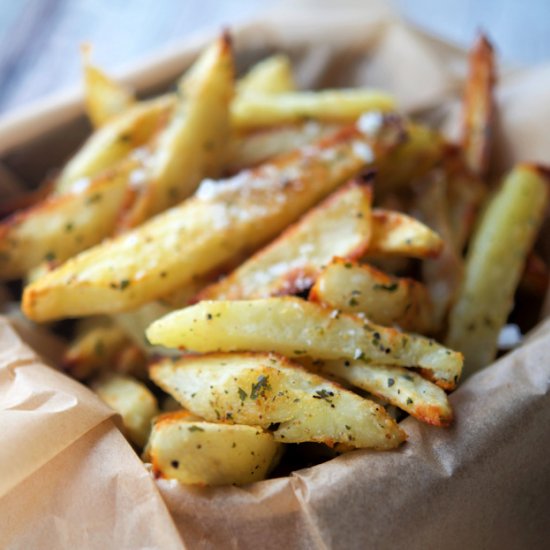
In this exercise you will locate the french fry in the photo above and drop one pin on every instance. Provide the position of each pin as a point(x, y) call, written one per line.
point(442, 275)
point(196, 452)
point(254, 110)
point(339, 226)
point(251, 148)
point(104, 98)
point(272, 75)
point(270, 391)
point(494, 264)
point(296, 328)
point(114, 142)
point(219, 223)
point(401, 387)
point(396, 234)
point(354, 288)
point(99, 346)
point(62, 226)
point(478, 108)
point(133, 401)
point(192, 146)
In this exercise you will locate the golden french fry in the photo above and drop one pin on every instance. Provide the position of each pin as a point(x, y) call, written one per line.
point(133, 401)
point(495, 261)
point(253, 110)
point(272, 75)
point(114, 142)
point(196, 452)
point(478, 108)
point(396, 234)
point(104, 98)
point(219, 223)
point(442, 275)
point(354, 288)
point(295, 328)
point(62, 226)
point(100, 345)
point(192, 146)
point(339, 226)
point(270, 391)
point(399, 386)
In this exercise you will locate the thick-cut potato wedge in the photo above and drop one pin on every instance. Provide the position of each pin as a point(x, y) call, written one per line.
point(386, 300)
point(494, 264)
point(339, 226)
point(270, 391)
point(223, 220)
point(478, 108)
point(114, 142)
point(294, 327)
point(442, 275)
point(100, 345)
point(396, 234)
point(399, 386)
point(62, 226)
point(193, 144)
point(104, 98)
point(133, 401)
point(196, 452)
point(252, 148)
point(272, 75)
point(253, 110)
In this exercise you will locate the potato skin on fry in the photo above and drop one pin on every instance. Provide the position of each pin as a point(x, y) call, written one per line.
point(294, 327)
point(270, 391)
point(197, 452)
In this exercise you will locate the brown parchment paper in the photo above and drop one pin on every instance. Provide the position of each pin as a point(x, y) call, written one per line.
point(69, 480)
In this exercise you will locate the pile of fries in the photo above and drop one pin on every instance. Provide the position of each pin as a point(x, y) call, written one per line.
point(252, 266)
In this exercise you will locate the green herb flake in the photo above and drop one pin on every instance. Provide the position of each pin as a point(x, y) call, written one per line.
point(409, 401)
point(125, 283)
point(353, 302)
point(194, 428)
point(260, 387)
point(242, 395)
point(324, 394)
point(391, 382)
point(92, 199)
point(49, 256)
point(392, 287)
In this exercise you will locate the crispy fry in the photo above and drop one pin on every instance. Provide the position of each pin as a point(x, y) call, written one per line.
point(104, 98)
point(478, 108)
point(62, 226)
point(401, 387)
point(339, 226)
point(220, 222)
point(354, 288)
point(494, 264)
point(193, 144)
point(133, 401)
point(254, 110)
point(396, 234)
point(272, 75)
point(204, 453)
point(100, 345)
point(270, 391)
point(297, 328)
point(442, 275)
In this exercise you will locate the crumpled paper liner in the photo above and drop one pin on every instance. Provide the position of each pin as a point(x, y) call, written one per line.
point(70, 480)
